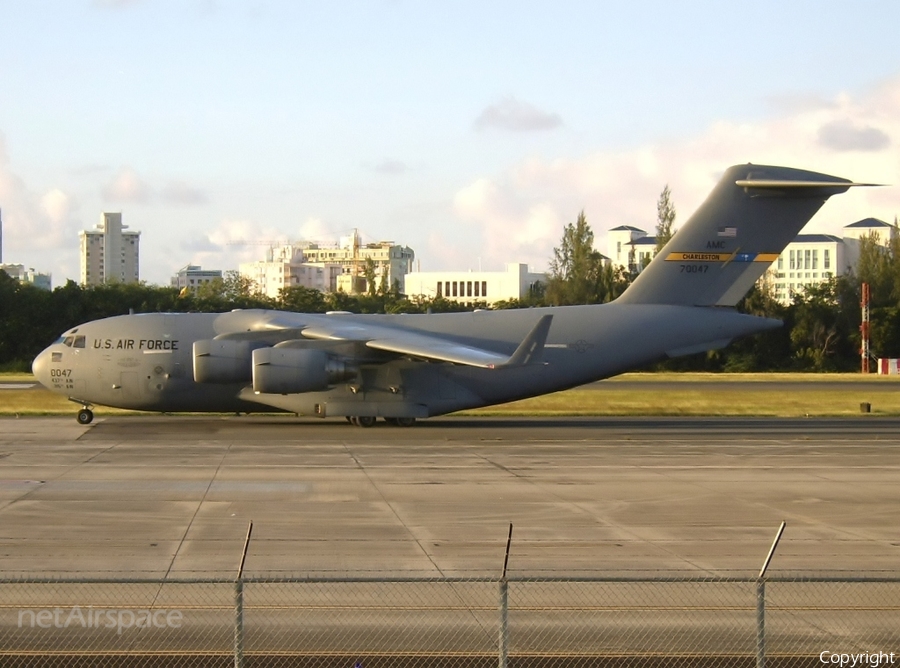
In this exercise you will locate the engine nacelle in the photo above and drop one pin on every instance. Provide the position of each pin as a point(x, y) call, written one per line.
point(222, 361)
point(294, 370)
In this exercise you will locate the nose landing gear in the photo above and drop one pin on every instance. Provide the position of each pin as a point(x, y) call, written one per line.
point(85, 415)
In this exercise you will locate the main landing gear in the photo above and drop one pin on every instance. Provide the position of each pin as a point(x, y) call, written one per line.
point(369, 421)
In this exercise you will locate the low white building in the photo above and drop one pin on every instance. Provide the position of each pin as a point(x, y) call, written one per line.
point(391, 261)
point(630, 247)
point(285, 267)
point(23, 275)
point(192, 276)
point(808, 260)
point(329, 268)
point(473, 286)
point(815, 258)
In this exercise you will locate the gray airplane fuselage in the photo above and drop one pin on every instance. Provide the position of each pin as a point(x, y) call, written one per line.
point(145, 361)
point(402, 367)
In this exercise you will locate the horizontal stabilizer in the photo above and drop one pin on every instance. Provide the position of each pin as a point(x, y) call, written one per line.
point(785, 183)
point(752, 214)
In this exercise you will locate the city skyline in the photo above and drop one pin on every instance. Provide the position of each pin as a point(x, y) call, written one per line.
point(470, 133)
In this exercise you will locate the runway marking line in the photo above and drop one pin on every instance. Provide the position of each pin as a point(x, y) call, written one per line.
point(488, 608)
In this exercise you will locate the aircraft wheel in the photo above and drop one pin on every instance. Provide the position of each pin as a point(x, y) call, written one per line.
point(85, 416)
point(365, 420)
point(405, 422)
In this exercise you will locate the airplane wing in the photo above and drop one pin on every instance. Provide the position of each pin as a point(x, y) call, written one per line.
point(433, 347)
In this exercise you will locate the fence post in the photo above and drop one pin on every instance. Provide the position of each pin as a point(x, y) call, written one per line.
point(239, 623)
point(504, 623)
point(239, 605)
point(503, 640)
point(760, 623)
point(761, 602)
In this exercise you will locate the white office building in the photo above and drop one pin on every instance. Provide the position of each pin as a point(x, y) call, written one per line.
point(329, 268)
point(391, 261)
point(286, 266)
point(192, 276)
point(630, 247)
point(473, 286)
point(23, 275)
point(808, 260)
point(814, 258)
point(109, 253)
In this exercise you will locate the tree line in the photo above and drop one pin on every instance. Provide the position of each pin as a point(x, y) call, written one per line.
point(821, 332)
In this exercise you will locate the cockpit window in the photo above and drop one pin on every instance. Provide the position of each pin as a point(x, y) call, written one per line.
point(68, 341)
point(79, 342)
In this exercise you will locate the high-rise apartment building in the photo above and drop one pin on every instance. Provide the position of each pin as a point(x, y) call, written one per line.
point(109, 253)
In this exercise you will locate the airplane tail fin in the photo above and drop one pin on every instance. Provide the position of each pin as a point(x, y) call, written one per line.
point(728, 243)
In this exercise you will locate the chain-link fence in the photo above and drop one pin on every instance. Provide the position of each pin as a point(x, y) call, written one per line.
point(257, 622)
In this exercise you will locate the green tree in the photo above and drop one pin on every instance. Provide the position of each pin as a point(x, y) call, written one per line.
point(767, 351)
point(368, 272)
point(237, 287)
point(876, 266)
point(665, 218)
point(577, 272)
point(825, 325)
point(302, 300)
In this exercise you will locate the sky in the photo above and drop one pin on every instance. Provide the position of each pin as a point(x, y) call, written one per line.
point(472, 132)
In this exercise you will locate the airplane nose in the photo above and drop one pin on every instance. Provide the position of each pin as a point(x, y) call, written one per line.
point(40, 367)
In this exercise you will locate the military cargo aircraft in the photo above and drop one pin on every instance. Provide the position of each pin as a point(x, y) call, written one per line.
point(404, 367)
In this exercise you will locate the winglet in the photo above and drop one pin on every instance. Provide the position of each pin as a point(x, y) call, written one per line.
point(532, 345)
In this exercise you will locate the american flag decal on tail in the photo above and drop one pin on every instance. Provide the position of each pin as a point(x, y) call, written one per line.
point(727, 232)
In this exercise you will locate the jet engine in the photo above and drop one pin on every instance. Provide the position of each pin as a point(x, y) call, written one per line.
point(287, 370)
point(222, 361)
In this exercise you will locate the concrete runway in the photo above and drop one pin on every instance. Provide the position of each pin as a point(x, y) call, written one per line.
point(172, 496)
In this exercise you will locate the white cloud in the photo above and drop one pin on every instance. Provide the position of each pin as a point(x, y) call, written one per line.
point(844, 135)
point(316, 230)
point(57, 205)
point(34, 224)
point(391, 167)
point(518, 215)
point(517, 116)
point(234, 241)
point(115, 4)
point(127, 187)
point(178, 192)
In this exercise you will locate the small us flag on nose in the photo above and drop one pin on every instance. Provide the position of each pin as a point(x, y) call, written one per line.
point(727, 231)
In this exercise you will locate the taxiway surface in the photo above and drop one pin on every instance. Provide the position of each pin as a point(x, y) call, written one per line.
point(172, 496)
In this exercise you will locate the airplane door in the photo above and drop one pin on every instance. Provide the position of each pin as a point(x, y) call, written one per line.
point(130, 388)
